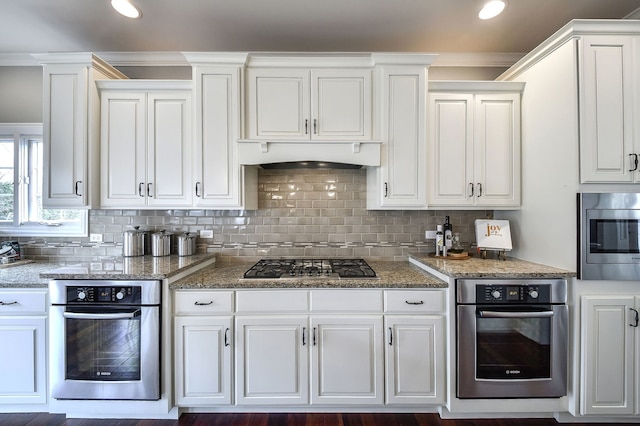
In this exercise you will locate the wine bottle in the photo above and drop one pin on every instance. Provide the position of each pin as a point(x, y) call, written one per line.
point(447, 229)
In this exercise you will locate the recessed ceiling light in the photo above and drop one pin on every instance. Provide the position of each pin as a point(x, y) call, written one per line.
point(492, 9)
point(126, 8)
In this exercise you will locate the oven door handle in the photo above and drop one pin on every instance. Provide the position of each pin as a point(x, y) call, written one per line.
point(96, 316)
point(502, 314)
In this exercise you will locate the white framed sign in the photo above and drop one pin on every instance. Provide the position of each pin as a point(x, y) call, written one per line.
point(492, 234)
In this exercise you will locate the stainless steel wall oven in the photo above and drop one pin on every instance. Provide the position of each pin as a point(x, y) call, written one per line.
point(609, 236)
point(105, 339)
point(511, 338)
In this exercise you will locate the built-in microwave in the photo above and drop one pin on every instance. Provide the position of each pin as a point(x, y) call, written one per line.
point(609, 236)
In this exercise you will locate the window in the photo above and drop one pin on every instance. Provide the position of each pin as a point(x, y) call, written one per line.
point(21, 169)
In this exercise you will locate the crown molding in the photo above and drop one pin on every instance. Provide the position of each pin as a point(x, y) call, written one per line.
point(151, 59)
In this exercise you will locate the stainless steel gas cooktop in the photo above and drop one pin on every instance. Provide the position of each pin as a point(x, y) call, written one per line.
point(310, 269)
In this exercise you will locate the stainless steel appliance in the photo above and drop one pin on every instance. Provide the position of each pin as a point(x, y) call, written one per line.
point(511, 338)
point(609, 236)
point(105, 339)
point(303, 268)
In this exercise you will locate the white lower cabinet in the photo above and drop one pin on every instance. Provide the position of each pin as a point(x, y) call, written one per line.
point(415, 347)
point(609, 334)
point(272, 360)
point(311, 347)
point(414, 356)
point(203, 348)
point(347, 360)
point(23, 359)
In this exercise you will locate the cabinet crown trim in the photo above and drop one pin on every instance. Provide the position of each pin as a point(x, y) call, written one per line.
point(144, 84)
point(574, 29)
point(475, 86)
point(87, 59)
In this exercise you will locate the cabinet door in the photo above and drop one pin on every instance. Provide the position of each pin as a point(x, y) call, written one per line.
point(341, 104)
point(347, 360)
point(451, 149)
point(123, 149)
point(169, 149)
point(217, 173)
point(278, 102)
point(203, 360)
point(23, 360)
point(607, 355)
point(606, 109)
point(404, 153)
point(272, 360)
point(65, 136)
point(415, 359)
point(496, 155)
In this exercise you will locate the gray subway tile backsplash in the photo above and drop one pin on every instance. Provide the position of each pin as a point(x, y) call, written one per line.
point(300, 213)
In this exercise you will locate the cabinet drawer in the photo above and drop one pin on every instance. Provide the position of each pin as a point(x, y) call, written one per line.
point(272, 301)
point(22, 301)
point(422, 301)
point(203, 302)
point(358, 300)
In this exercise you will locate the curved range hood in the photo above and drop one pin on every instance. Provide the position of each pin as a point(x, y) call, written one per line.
point(318, 165)
point(317, 154)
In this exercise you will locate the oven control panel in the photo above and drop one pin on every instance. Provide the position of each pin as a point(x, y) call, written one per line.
point(513, 293)
point(100, 295)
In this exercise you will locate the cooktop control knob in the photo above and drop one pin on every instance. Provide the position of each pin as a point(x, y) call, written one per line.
point(533, 293)
point(496, 294)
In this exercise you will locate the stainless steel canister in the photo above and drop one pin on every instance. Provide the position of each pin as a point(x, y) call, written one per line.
point(186, 244)
point(133, 243)
point(161, 243)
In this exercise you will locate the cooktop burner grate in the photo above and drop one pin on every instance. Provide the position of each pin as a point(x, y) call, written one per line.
point(310, 268)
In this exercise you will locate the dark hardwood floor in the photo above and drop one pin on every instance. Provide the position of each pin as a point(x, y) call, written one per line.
point(279, 419)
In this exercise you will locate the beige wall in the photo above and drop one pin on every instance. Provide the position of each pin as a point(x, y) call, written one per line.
point(21, 86)
point(20, 94)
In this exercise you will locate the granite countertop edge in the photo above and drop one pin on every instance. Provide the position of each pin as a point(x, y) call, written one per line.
point(476, 267)
point(228, 274)
point(397, 275)
point(37, 274)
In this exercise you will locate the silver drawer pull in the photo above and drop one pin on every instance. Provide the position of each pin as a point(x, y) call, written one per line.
point(414, 303)
point(203, 303)
point(8, 303)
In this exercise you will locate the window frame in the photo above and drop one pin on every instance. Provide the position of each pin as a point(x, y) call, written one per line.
point(21, 133)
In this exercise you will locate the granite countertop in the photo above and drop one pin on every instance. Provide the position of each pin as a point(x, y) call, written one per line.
point(25, 274)
point(127, 268)
point(476, 267)
point(229, 276)
point(38, 274)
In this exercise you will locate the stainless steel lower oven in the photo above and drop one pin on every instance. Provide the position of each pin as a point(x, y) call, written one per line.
point(105, 339)
point(511, 338)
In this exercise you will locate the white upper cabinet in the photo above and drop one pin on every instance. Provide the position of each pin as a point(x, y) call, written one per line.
point(304, 104)
point(400, 181)
point(146, 144)
point(71, 130)
point(219, 181)
point(608, 95)
point(474, 145)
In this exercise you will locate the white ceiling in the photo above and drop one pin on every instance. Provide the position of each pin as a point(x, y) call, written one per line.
point(434, 26)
